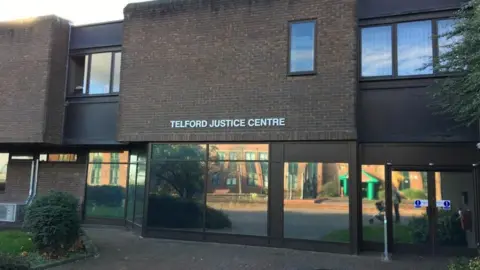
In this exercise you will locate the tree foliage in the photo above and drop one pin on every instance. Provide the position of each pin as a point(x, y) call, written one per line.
point(459, 95)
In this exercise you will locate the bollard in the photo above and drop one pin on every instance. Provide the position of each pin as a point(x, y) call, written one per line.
point(385, 255)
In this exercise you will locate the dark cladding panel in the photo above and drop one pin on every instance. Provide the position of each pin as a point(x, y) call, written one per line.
point(437, 154)
point(379, 8)
point(404, 115)
point(325, 152)
point(91, 123)
point(98, 35)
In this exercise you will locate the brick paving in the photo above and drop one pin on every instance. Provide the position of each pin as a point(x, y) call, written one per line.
point(121, 250)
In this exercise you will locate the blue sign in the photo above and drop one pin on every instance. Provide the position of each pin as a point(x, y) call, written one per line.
point(417, 203)
point(446, 204)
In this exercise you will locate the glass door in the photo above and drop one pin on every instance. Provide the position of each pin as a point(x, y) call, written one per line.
point(431, 210)
point(455, 217)
point(411, 213)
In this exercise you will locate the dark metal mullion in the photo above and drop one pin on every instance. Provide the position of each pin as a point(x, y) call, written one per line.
point(146, 189)
point(476, 202)
point(89, 57)
point(435, 46)
point(355, 201)
point(432, 209)
point(394, 51)
point(389, 205)
point(112, 66)
point(205, 191)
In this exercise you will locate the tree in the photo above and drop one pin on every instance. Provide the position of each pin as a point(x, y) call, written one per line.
point(458, 95)
point(179, 169)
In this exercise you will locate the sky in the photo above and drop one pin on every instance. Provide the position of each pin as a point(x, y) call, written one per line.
point(77, 11)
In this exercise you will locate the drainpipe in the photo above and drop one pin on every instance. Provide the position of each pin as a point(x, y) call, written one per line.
point(32, 192)
point(30, 188)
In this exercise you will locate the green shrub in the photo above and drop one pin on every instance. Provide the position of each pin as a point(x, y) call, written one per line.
point(465, 264)
point(448, 230)
point(9, 262)
point(175, 212)
point(381, 195)
point(330, 189)
point(111, 196)
point(414, 194)
point(54, 222)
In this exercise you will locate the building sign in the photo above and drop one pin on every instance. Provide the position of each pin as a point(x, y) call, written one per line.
point(229, 123)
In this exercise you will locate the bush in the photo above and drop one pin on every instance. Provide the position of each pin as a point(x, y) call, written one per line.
point(175, 212)
point(8, 262)
point(414, 194)
point(111, 196)
point(54, 222)
point(448, 232)
point(331, 189)
point(465, 264)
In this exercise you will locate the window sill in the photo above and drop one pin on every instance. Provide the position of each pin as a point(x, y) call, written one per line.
point(93, 96)
point(411, 77)
point(302, 73)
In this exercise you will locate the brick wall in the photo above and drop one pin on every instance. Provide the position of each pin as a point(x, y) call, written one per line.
point(32, 68)
point(68, 177)
point(224, 59)
point(18, 182)
point(55, 103)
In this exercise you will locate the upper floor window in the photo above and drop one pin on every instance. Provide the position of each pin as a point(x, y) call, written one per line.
point(95, 74)
point(302, 47)
point(377, 51)
point(415, 44)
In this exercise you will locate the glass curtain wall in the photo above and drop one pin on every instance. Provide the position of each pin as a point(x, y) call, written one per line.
point(316, 203)
point(136, 187)
point(218, 188)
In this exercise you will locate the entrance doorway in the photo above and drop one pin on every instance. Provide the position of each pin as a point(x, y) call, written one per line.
point(431, 210)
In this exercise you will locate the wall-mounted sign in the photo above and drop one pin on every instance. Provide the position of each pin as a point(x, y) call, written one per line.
point(228, 123)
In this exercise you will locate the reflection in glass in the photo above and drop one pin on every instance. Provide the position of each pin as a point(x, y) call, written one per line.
point(238, 204)
point(140, 190)
point(176, 197)
point(411, 224)
point(455, 225)
point(108, 157)
point(103, 198)
point(84, 75)
point(264, 168)
point(179, 152)
point(302, 46)
point(377, 51)
point(414, 47)
point(100, 73)
point(3, 171)
point(445, 43)
point(223, 152)
point(316, 201)
point(116, 72)
point(373, 202)
point(132, 177)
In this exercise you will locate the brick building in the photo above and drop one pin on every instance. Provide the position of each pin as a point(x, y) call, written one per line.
point(278, 123)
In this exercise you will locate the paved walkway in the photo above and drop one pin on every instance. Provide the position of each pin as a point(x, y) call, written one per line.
point(121, 250)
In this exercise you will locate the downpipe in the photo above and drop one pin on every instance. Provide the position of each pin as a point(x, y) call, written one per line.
point(32, 192)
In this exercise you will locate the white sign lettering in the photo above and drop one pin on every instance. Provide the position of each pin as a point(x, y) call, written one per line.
point(227, 123)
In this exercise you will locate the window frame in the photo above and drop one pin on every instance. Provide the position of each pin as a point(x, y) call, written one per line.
point(289, 37)
point(86, 79)
point(394, 43)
